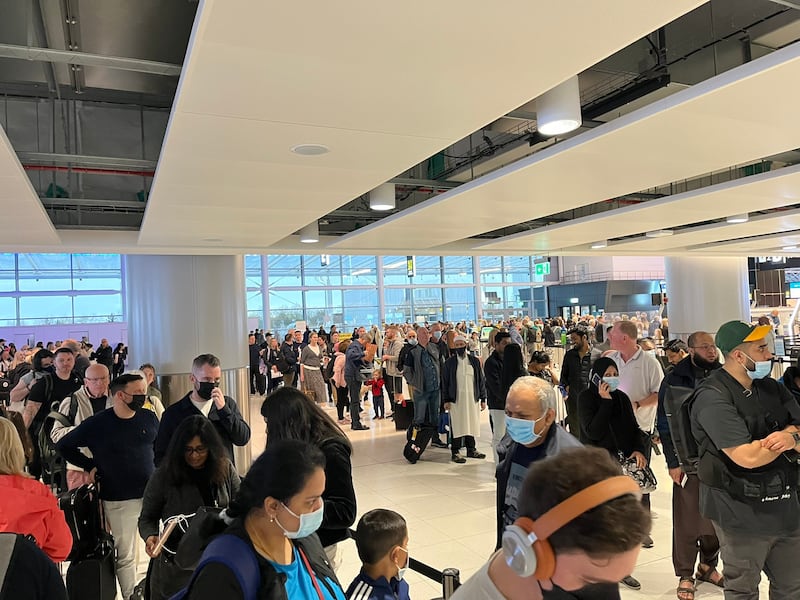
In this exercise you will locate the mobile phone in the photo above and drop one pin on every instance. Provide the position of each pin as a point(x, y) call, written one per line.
point(597, 380)
point(164, 536)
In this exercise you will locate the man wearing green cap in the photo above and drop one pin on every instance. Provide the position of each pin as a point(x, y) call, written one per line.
point(746, 427)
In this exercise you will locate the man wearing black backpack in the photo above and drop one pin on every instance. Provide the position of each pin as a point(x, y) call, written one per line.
point(691, 532)
point(89, 400)
point(747, 428)
point(53, 387)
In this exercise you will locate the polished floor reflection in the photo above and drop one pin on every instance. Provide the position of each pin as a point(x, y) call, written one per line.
point(450, 510)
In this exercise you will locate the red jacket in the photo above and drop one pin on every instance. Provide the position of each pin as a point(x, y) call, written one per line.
point(377, 386)
point(28, 507)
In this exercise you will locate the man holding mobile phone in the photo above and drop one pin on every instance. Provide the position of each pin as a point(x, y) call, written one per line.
point(207, 399)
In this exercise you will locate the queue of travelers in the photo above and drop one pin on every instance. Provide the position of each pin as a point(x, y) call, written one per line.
point(734, 491)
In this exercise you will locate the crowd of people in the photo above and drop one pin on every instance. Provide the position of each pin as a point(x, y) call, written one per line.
point(165, 473)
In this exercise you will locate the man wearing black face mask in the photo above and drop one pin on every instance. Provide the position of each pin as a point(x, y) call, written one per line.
point(747, 428)
point(208, 400)
point(463, 386)
point(122, 475)
point(690, 530)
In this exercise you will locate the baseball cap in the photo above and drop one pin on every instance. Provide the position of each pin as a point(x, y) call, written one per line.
point(734, 333)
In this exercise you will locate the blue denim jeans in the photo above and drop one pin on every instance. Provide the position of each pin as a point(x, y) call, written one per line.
point(426, 407)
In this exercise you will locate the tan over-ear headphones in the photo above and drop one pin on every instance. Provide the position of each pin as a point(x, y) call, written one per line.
point(525, 547)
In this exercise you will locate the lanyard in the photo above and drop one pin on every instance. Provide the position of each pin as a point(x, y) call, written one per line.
point(311, 572)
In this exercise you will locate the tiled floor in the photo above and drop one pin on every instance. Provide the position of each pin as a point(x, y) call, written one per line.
point(450, 510)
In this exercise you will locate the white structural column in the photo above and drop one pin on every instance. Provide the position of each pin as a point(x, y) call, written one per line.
point(182, 306)
point(705, 292)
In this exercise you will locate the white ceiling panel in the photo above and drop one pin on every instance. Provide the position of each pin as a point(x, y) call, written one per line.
point(766, 191)
point(766, 245)
point(779, 221)
point(24, 219)
point(739, 116)
point(384, 87)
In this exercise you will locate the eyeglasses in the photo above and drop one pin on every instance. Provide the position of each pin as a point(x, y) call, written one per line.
point(705, 347)
point(200, 450)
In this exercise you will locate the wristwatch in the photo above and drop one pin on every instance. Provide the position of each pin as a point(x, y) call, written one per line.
point(796, 437)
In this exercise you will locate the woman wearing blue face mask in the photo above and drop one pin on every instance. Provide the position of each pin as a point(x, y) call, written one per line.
point(606, 414)
point(271, 550)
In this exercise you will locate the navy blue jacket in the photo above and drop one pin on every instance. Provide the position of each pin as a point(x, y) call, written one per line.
point(449, 387)
point(228, 422)
point(366, 588)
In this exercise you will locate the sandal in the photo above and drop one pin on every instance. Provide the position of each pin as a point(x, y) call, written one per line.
point(709, 575)
point(686, 589)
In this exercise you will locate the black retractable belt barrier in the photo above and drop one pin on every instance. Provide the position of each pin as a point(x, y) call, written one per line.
point(450, 578)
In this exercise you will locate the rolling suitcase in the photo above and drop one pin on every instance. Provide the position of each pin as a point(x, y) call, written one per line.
point(91, 574)
point(403, 415)
point(418, 439)
point(93, 577)
point(81, 508)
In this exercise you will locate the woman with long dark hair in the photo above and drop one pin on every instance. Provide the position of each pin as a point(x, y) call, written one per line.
point(120, 355)
point(291, 415)
point(513, 367)
point(274, 519)
point(195, 472)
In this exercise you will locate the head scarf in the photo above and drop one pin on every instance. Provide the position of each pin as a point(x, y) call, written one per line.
point(599, 368)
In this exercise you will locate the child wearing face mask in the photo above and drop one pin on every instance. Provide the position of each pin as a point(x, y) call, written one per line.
point(382, 542)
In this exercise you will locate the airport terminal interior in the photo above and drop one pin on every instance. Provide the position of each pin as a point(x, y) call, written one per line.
point(176, 175)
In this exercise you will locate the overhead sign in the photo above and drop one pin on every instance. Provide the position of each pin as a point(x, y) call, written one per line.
point(542, 268)
point(411, 266)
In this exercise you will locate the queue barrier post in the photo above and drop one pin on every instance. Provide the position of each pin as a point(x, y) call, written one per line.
point(451, 579)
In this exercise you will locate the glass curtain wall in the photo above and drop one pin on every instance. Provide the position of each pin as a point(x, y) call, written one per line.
point(55, 289)
point(49, 289)
point(356, 290)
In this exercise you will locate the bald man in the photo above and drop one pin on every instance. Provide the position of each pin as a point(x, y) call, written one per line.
point(87, 401)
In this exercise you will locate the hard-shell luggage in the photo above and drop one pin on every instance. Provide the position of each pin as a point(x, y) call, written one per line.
point(91, 574)
point(403, 415)
point(81, 508)
point(93, 578)
point(418, 439)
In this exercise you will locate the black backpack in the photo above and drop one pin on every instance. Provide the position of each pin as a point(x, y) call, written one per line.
point(54, 467)
point(17, 372)
point(401, 357)
point(281, 362)
point(677, 405)
point(328, 372)
point(530, 336)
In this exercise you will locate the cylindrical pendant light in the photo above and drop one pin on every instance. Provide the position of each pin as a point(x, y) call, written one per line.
point(310, 233)
point(559, 110)
point(382, 197)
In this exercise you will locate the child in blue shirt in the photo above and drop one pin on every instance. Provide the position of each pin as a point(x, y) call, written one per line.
point(382, 542)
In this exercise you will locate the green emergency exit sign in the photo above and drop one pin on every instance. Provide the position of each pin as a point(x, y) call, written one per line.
point(542, 268)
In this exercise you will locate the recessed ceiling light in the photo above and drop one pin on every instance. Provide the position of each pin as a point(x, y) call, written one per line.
point(789, 248)
point(742, 218)
point(212, 240)
point(600, 244)
point(310, 149)
point(659, 233)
